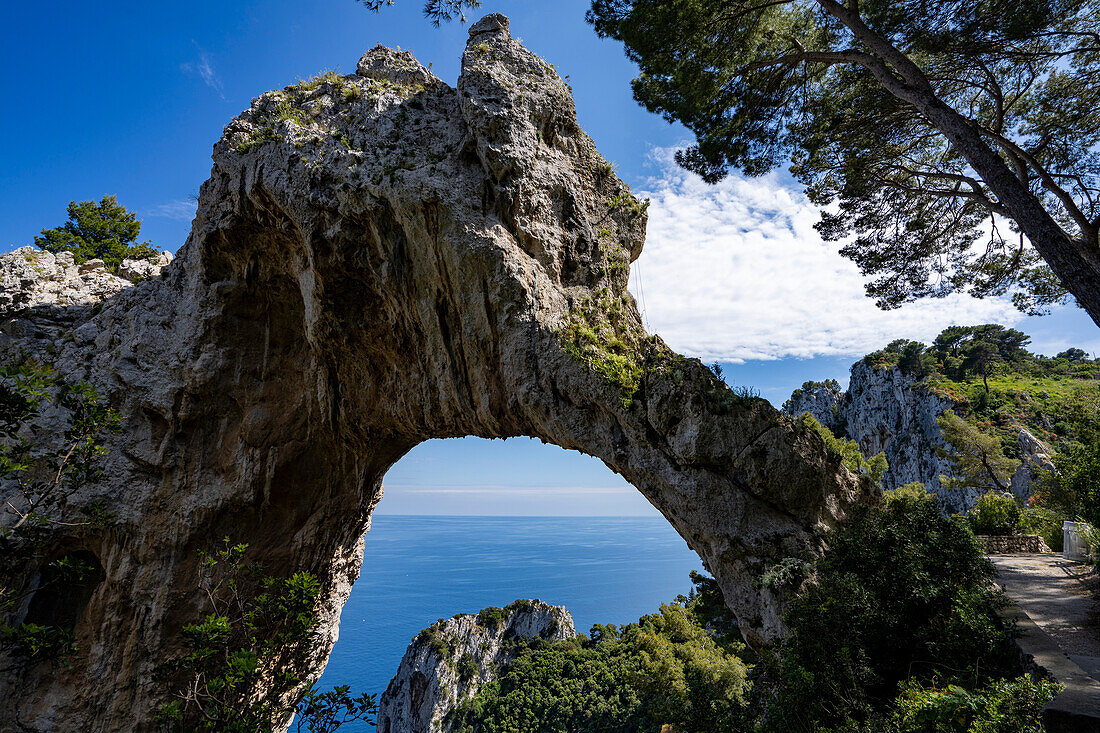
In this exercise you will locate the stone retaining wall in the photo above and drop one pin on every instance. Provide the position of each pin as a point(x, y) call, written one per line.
point(1010, 544)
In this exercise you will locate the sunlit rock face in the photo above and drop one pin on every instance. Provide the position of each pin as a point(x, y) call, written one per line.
point(448, 662)
point(380, 259)
point(887, 411)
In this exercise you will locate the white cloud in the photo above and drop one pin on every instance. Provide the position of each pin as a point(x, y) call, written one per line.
point(736, 271)
point(180, 210)
point(205, 70)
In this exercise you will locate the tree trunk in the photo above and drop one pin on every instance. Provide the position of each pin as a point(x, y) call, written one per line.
point(1073, 263)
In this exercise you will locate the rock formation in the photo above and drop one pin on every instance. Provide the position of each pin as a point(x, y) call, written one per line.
point(379, 259)
point(1036, 461)
point(56, 284)
point(448, 662)
point(887, 411)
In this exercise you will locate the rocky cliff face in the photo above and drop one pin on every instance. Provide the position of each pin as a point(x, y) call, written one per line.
point(380, 259)
point(447, 663)
point(886, 411)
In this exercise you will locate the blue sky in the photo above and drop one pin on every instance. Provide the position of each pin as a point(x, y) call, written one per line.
point(129, 98)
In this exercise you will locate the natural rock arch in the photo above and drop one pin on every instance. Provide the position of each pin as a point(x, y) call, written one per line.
point(377, 260)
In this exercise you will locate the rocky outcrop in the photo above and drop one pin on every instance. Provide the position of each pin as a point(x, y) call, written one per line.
point(1035, 462)
point(448, 662)
point(886, 411)
point(56, 287)
point(138, 270)
point(377, 260)
point(823, 400)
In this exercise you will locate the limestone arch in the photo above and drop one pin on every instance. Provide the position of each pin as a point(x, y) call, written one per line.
point(385, 265)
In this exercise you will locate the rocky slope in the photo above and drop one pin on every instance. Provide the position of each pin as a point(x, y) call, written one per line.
point(447, 663)
point(56, 285)
point(377, 260)
point(886, 411)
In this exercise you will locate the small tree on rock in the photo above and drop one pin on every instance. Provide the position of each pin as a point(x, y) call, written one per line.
point(977, 459)
point(106, 230)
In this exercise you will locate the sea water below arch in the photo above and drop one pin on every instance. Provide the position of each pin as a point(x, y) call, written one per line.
point(417, 569)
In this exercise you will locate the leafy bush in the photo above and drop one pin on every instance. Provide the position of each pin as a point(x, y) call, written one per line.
point(491, 617)
point(1077, 482)
point(902, 593)
point(1047, 523)
point(258, 634)
point(848, 451)
point(995, 513)
point(1006, 706)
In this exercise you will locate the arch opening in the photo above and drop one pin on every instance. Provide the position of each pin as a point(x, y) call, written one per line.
point(457, 531)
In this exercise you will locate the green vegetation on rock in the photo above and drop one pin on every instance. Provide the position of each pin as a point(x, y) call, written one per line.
point(998, 387)
point(598, 334)
point(681, 666)
point(847, 451)
point(247, 655)
point(896, 633)
point(106, 230)
point(43, 588)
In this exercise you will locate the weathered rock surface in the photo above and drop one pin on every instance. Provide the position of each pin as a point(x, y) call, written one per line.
point(887, 411)
point(138, 270)
point(48, 291)
point(447, 663)
point(378, 260)
point(1035, 461)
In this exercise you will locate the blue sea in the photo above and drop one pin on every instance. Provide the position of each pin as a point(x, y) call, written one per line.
point(417, 569)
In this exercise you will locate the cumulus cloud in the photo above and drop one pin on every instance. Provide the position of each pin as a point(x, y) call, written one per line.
point(205, 70)
point(180, 210)
point(736, 271)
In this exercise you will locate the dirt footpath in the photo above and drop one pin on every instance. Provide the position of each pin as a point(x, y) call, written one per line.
point(1062, 597)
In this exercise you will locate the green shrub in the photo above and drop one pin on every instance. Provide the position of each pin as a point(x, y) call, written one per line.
point(848, 451)
point(491, 617)
point(257, 635)
point(467, 668)
point(1008, 706)
point(42, 479)
point(915, 493)
point(1047, 523)
point(902, 593)
point(995, 513)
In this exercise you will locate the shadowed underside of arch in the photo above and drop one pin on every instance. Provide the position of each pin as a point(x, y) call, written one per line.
point(378, 260)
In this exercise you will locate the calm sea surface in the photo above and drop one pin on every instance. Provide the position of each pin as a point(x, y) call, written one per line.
point(419, 569)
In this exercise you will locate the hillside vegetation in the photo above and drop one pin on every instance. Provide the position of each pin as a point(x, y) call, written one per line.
point(897, 634)
point(999, 387)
